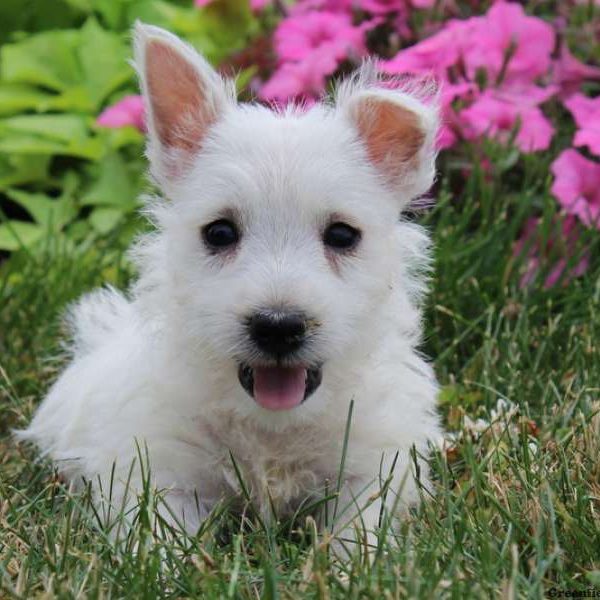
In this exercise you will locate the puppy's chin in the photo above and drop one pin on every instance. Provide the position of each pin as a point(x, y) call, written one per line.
point(277, 387)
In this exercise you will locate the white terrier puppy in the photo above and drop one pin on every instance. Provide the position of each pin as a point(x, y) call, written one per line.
point(281, 285)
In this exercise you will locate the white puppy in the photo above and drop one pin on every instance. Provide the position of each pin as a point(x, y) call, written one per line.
point(280, 286)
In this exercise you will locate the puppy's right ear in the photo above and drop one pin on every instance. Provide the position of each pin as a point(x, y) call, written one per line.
point(183, 98)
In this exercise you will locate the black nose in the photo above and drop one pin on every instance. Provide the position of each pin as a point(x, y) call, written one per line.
point(277, 333)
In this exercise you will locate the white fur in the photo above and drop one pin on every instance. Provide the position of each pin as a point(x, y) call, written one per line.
point(159, 366)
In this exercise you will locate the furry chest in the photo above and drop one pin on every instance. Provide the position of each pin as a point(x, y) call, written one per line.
point(278, 471)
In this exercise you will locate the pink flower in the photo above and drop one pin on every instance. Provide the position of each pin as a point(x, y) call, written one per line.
point(298, 79)
point(577, 186)
point(433, 55)
point(331, 34)
point(586, 112)
point(498, 115)
point(202, 3)
point(505, 41)
point(569, 73)
point(333, 6)
point(507, 33)
point(382, 7)
point(128, 111)
point(451, 127)
point(310, 47)
point(511, 50)
point(555, 250)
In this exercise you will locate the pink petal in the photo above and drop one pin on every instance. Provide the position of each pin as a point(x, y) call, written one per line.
point(506, 26)
point(433, 54)
point(586, 112)
point(569, 73)
point(497, 116)
point(127, 112)
point(257, 5)
point(577, 186)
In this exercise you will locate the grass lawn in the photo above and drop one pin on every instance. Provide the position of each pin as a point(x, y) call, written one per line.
point(515, 509)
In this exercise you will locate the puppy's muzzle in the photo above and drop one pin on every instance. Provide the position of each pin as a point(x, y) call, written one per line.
point(277, 333)
point(279, 379)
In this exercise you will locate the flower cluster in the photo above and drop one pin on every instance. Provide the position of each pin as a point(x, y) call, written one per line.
point(494, 74)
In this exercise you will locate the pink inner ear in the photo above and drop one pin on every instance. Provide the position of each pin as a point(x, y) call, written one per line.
point(392, 134)
point(177, 98)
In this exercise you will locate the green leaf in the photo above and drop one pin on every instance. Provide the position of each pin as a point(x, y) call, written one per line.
point(104, 219)
point(17, 169)
point(103, 58)
point(49, 134)
point(23, 144)
point(47, 59)
point(61, 128)
point(52, 213)
point(15, 235)
point(83, 66)
point(112, 12)
point(34, 15)
point(121, 137)
point(112, 184)
point(17, 97)
point(86, 6)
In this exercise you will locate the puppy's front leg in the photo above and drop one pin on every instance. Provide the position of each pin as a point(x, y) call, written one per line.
point(356, 519)
point(184, 510)
point(365, 506)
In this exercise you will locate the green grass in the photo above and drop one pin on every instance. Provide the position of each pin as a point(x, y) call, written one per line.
point(516, 509)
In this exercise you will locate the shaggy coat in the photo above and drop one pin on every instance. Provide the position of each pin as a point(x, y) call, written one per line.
point(159, 367)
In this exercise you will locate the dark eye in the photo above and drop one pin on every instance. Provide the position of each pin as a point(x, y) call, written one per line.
point(220, 234)
point(341, 236)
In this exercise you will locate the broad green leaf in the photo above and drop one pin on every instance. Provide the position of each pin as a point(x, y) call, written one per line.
point(18, 169)
point(19, 234)
point(52, 213)
point(49, 134)
point(48, 59)
point(61, 128)
point(154, 12)
point(17, 97)
point(112, 184)
point(91, 149)
point(104, 219)
point(84, 66)
point(112, 12)
point(103, 58)
point(121, 137)
point(35, 15)
point(86, 6)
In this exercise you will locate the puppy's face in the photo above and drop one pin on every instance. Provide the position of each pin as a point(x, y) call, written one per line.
point(280, 227)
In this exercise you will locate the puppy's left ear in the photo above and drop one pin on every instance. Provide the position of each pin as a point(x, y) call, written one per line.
point(398, 132)
point(183, 96)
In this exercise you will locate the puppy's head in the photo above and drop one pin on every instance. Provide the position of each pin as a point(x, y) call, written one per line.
point(280, 229)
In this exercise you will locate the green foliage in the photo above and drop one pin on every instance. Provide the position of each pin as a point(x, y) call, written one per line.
point(59, 172)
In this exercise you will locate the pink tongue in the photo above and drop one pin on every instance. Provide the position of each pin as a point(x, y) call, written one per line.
point(279, 388)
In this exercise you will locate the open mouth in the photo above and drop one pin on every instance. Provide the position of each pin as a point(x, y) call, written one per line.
point(277, 387)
